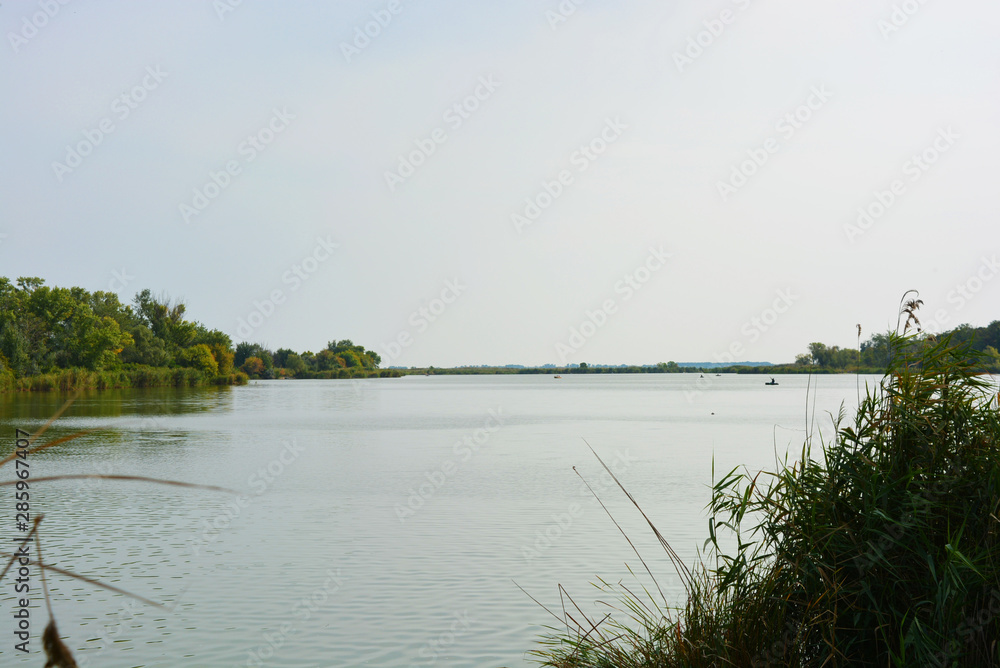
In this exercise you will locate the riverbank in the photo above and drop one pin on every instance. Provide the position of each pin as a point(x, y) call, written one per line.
point(138, 377)
point(769, 369)
point(879, 549)
point(82, 379)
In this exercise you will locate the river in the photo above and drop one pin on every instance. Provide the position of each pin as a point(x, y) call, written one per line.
point(381, 522)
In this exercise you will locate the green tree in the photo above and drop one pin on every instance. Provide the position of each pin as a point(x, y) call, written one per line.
point(246, 350)
point(326, 360)
point(166, 320)
point(281, 357)
point(253, 367)
point(211, 337)
point(224, 357)
point(221, 346)
point(199, 356)
point(876, 351)
point(294, 363)
point(351, 359)
point(353, 355)
point(146, 348)
point(992, 359)
point(97, 342)
point(64, 324)
point(29, 283)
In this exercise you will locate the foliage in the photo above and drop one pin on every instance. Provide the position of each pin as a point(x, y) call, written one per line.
point(75, 379)
point(340, 359)
point(166, 320)
point(876, 353)
point(199, 357)
point(253, 367)
point(245, 350)
point(52, 338)
point(46, 330)
point(223, 357)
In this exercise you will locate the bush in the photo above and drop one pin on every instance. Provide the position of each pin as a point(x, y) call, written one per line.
point(235, 378)
point(199, 357)
point(133, 376)
point(253, 367)
point(224, 358)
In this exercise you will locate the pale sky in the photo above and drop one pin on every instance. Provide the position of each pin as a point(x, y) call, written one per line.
point(674, 170)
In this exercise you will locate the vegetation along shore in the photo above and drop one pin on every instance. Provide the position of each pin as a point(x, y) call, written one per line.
point(55, 338)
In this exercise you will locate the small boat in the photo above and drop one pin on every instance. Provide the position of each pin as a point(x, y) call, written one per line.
point(773, 382)
point(557, 376)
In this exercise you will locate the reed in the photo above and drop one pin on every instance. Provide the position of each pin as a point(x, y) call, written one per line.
point(67, 380)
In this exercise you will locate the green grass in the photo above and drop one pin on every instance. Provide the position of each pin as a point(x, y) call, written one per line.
point(883, 550)
point(75, 379)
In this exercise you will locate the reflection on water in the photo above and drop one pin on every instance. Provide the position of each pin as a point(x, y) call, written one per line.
point(377, 522)
point(37, 407)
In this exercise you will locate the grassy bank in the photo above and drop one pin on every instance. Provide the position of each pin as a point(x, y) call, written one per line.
point(74, 379)
point(344, 373)
point(881, 550)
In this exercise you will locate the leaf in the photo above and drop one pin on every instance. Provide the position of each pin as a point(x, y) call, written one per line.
point(56, 652)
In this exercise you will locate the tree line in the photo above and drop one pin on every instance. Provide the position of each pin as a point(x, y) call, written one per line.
point(340, 359)
point(876, 352)
point(46, 330)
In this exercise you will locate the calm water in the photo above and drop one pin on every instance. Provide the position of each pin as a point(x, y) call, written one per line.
point(381, 522)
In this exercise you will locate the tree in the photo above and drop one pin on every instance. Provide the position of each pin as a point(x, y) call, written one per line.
point(992, 359)
point(353, 355)
point(253, 367)
point(211, 337)
point(146, 348)
point(294, 363)
point(30, 283)
point(991, 336)
point(98, 342)
point(876, 351)
point(166, 320)
point(831, 358)
point(199, 357)
point(14, 348)
point(350, 359)
point(326, 360)
point(281, 357)
point(64, 329)
point(224, 357)
point(245, 350)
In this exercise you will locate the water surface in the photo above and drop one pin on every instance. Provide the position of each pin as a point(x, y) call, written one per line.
point(381, 522)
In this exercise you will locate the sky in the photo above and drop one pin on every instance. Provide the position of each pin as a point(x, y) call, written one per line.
point(513, 182)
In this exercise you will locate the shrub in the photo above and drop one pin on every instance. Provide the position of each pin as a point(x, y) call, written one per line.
point(199, 357)
point(253, 367)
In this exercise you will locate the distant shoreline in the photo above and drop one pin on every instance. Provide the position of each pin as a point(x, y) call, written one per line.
point(770, 369)
point(137, 378)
